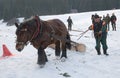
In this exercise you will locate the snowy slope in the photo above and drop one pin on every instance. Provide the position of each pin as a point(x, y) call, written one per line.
point(78, 65)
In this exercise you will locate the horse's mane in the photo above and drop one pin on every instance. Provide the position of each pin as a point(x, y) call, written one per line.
point(29, 19)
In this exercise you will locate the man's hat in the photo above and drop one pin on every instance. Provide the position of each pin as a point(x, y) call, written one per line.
point(96, 16)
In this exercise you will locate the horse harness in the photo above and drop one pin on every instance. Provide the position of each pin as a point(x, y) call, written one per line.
point(38, 33)
point(39, 30)
point(52, 33)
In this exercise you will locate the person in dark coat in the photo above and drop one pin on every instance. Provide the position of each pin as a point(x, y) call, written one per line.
point(113, 22)
point(108, 21)
point(104, 18)
point(100, 33)
point(92, 18)
point(69, 20)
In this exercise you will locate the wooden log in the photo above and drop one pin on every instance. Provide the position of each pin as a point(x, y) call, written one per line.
point(75, 47)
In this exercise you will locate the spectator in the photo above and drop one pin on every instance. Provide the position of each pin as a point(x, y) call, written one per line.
point(113, 21)
point(69, 20)
point(108, 21)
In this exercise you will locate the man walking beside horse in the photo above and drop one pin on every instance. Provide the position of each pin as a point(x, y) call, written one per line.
point(100, 33)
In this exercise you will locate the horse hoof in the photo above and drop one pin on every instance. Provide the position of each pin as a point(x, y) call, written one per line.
point(42, 66)
point(63, 59)
point(58, 57)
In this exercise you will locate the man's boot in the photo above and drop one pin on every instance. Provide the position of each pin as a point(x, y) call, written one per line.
point(105, 52)
point(98, 52)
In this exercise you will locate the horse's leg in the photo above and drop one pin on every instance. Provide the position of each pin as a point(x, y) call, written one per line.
point(42, 58)
point(64, 54)
point(57, 49)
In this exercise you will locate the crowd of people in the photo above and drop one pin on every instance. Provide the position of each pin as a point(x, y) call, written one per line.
point(100, 27)
point(108, 19)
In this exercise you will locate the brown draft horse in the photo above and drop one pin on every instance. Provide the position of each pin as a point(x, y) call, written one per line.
point(41, 34)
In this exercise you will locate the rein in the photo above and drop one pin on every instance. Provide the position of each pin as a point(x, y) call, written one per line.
point(83, 34)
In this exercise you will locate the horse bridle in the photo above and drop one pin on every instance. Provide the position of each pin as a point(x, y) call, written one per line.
point(36, 33)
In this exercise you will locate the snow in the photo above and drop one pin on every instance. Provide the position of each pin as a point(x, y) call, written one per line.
point(78, 65)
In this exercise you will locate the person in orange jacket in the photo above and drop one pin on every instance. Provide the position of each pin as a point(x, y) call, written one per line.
point(100, 33)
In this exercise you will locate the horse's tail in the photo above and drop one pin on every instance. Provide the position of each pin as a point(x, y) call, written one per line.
point(68, 41)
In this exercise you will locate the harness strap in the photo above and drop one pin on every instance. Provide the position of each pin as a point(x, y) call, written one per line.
point(39, 30)
point(73, 43)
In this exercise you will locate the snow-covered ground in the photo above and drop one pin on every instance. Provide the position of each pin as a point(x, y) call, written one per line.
point(78, 65)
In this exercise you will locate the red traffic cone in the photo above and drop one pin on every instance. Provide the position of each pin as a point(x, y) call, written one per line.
point(6, 52)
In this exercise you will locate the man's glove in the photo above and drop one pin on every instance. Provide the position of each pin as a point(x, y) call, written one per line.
point(90, 27)
point(100, 32)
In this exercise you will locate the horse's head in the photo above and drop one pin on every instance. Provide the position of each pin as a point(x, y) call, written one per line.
point(24, 33)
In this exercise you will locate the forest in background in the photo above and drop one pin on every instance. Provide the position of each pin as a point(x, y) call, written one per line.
point(26, 8)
